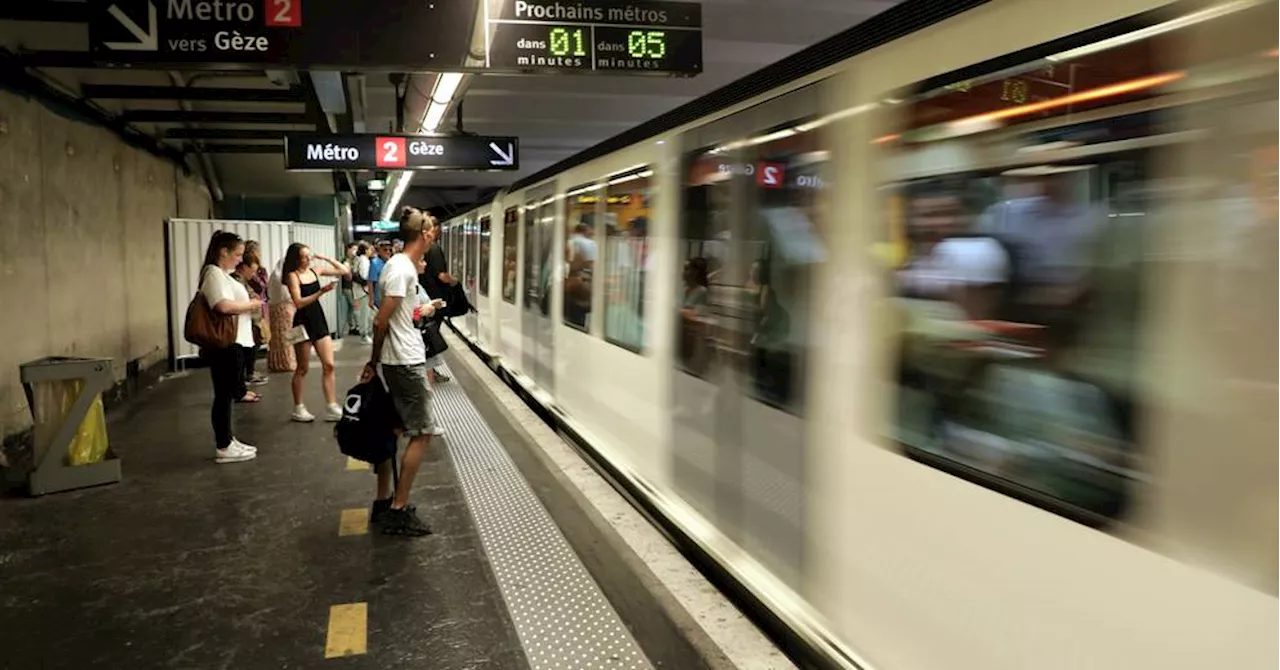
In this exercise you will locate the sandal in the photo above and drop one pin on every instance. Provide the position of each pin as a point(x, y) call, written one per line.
point(249, 398)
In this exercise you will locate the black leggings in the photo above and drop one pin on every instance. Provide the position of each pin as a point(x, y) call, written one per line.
point(226, 368)
point(250, 362)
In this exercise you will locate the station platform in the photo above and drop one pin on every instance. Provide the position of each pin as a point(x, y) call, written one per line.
point(271, 563)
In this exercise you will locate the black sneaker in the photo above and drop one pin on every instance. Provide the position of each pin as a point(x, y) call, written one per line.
point(379, 510)
point(404, 522)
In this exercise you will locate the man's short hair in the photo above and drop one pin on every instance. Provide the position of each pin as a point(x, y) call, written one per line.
point(413, 222)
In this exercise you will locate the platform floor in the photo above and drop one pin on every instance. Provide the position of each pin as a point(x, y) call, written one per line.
point(269, 564)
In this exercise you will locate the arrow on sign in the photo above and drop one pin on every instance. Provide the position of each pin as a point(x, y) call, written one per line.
point(148, 40)
point(507, 157)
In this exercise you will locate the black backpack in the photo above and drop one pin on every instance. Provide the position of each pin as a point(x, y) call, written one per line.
point(366, 431)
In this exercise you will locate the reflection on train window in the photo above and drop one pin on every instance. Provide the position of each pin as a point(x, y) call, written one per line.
point(626, 220)
point(1019, 288)
point(781, 242)
point(532, 268)
point(746, 287)
point(581, 209)
point(704, 251)
point(510, 253)
point(483, 268)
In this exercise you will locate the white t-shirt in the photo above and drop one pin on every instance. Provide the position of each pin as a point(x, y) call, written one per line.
point(957, 261)
point(218, 285)
point(403, 345)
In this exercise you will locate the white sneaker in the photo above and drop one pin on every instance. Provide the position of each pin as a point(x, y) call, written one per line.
point(247, 447)
point(234, 453)
point(301, 415)
point(333, 413)
point(366, 340)
point(437, 430)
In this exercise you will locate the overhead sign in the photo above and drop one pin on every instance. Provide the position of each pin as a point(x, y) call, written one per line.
point(296, 33)
point(604, 36)
point(401, 152)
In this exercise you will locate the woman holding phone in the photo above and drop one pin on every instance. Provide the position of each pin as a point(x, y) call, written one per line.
point(310, 328)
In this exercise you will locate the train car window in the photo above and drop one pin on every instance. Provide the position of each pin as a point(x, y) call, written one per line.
point(471, 247)
point(510, 253)
point(704, 254)
point(532, 266)
point(626, 258)
point(455, 251)
point(582, 209)
point(546, 239)
point(1020, 222)
point(781, 241)
point(483, 269)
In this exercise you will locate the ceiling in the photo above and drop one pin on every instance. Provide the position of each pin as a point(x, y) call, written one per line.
point(239, 128)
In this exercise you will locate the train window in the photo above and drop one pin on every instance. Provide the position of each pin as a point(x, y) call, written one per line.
point(582, 208)
point(510, 253)
point(546, 238)
point(532, 266)
point(703, 248)
point(1018, 277)
point(781, 241)
point(626, 258)
point(755, 275)
point(471, 239)
point(483, 268)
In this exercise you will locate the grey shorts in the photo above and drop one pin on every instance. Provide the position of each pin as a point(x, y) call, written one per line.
point(412, 397)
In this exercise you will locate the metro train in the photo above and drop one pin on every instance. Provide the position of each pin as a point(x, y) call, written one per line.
point(956, 351)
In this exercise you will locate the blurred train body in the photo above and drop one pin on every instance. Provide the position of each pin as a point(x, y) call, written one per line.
point(960, 353)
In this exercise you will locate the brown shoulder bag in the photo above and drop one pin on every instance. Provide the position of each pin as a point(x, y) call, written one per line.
point(205, 327)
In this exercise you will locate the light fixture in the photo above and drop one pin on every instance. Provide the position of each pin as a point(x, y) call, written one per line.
point(446, 87)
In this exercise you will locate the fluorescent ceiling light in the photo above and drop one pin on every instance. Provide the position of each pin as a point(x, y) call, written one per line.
point(446, 87)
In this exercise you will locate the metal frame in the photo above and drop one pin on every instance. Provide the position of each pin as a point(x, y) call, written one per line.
point(52, 473)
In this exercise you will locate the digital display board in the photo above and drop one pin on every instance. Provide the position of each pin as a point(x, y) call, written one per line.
point(401, 152)
point(661, 38)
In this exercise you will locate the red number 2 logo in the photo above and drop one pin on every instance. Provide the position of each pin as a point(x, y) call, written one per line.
point(284, 13)
point(391, 152)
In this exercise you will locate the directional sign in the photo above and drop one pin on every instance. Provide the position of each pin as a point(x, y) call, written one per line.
point(604, 36)
point(296, 33)
point(401, 152)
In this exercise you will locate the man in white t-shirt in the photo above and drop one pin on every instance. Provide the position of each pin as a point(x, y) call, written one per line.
point(966, 270)
point(398, 347)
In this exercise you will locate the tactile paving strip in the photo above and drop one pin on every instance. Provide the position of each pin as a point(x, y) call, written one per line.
point(563, 619)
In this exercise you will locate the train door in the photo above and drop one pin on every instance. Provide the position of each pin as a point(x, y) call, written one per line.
point(751, 246)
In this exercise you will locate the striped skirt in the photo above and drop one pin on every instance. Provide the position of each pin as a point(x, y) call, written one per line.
point(280, 357)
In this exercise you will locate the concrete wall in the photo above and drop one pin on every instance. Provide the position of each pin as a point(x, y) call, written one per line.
point(81, 246)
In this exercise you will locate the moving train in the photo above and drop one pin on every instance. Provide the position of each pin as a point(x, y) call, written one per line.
point(950, 339)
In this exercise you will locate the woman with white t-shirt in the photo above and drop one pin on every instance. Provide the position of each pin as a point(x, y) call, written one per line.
point(228, 297)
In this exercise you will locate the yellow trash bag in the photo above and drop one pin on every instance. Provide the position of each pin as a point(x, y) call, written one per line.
point(90, 442)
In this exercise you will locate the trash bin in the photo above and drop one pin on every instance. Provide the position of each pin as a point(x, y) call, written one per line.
point(72, 449)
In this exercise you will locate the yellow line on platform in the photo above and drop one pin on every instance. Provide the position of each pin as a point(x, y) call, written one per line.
point(348, 630)
point(353, 464)
point(353, 522)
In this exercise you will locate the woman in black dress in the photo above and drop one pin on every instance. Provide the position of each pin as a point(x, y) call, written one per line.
point(303, 282)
